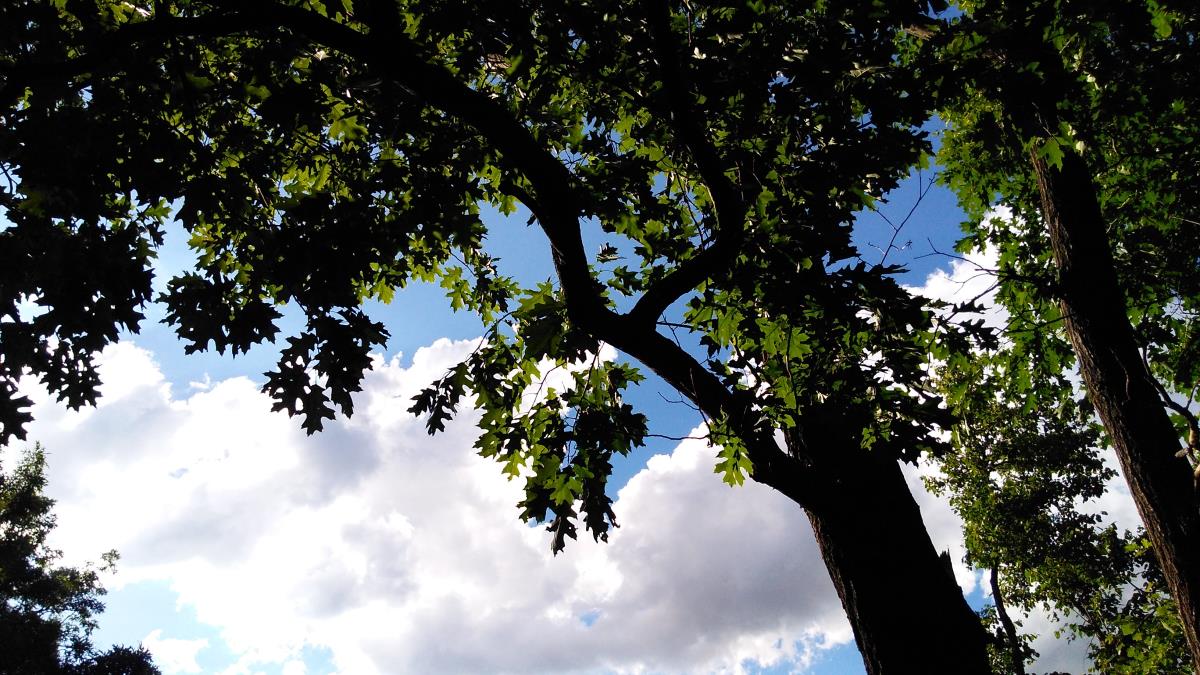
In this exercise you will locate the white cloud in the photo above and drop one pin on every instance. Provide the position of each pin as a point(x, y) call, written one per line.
point(403, 553)
point(172, 655)
point(971, 277)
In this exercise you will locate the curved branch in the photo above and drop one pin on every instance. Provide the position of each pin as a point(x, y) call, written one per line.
point(728, 202)
point(772, 466)
point(556, 204)
point(391, 55)
point(1011, 638)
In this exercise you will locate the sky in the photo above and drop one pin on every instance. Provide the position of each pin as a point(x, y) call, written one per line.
point(249, 547)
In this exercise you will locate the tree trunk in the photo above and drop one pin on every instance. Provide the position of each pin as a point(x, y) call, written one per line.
point(906, 609)
point(1119, 383)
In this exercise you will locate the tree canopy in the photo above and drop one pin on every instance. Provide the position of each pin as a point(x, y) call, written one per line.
point(322, 154)
point(1025, 471)
point(1097, 266)
point(48, 611)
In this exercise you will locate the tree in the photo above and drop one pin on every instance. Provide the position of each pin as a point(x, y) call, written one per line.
point(1023, 469)
point(48, 612)
point(325, 153)
point(1095, 158)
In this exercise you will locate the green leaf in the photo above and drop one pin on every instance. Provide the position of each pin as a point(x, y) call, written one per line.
point(1052, 152)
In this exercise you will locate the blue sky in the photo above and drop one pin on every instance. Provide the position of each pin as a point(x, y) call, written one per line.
point(250, 548)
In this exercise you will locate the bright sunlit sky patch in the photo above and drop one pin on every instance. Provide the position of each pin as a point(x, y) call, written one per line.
point(248, 547)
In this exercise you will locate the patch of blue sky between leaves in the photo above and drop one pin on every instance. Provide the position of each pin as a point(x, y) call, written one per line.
point(417, 316)
point(915, 226)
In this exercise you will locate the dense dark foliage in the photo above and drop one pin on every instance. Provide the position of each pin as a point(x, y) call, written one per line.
point(48, 611)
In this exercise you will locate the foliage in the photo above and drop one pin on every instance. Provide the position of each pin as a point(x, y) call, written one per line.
point(47, 611)
point(323, 154)
point(1116, 84)
point(1095, 164)
point(1023, 474)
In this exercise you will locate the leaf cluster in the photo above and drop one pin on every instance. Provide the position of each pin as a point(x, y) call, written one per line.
point(323, 154)
point(1116, 85)
point(48, 611)
point(1025, 469)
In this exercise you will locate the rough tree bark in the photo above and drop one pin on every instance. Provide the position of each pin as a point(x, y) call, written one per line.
point(1124, 392)
point(892, 582)
point(1118, 382)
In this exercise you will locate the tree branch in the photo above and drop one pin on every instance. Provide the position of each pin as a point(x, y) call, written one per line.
point(1011, 638)
point(728, 202)
point(391, 55)
point(772, 466)
point(556, 201)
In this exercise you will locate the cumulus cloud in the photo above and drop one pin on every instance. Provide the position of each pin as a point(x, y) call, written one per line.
point(403, 553)
point(969, 278)
point(174, 655)
point(398, 552)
